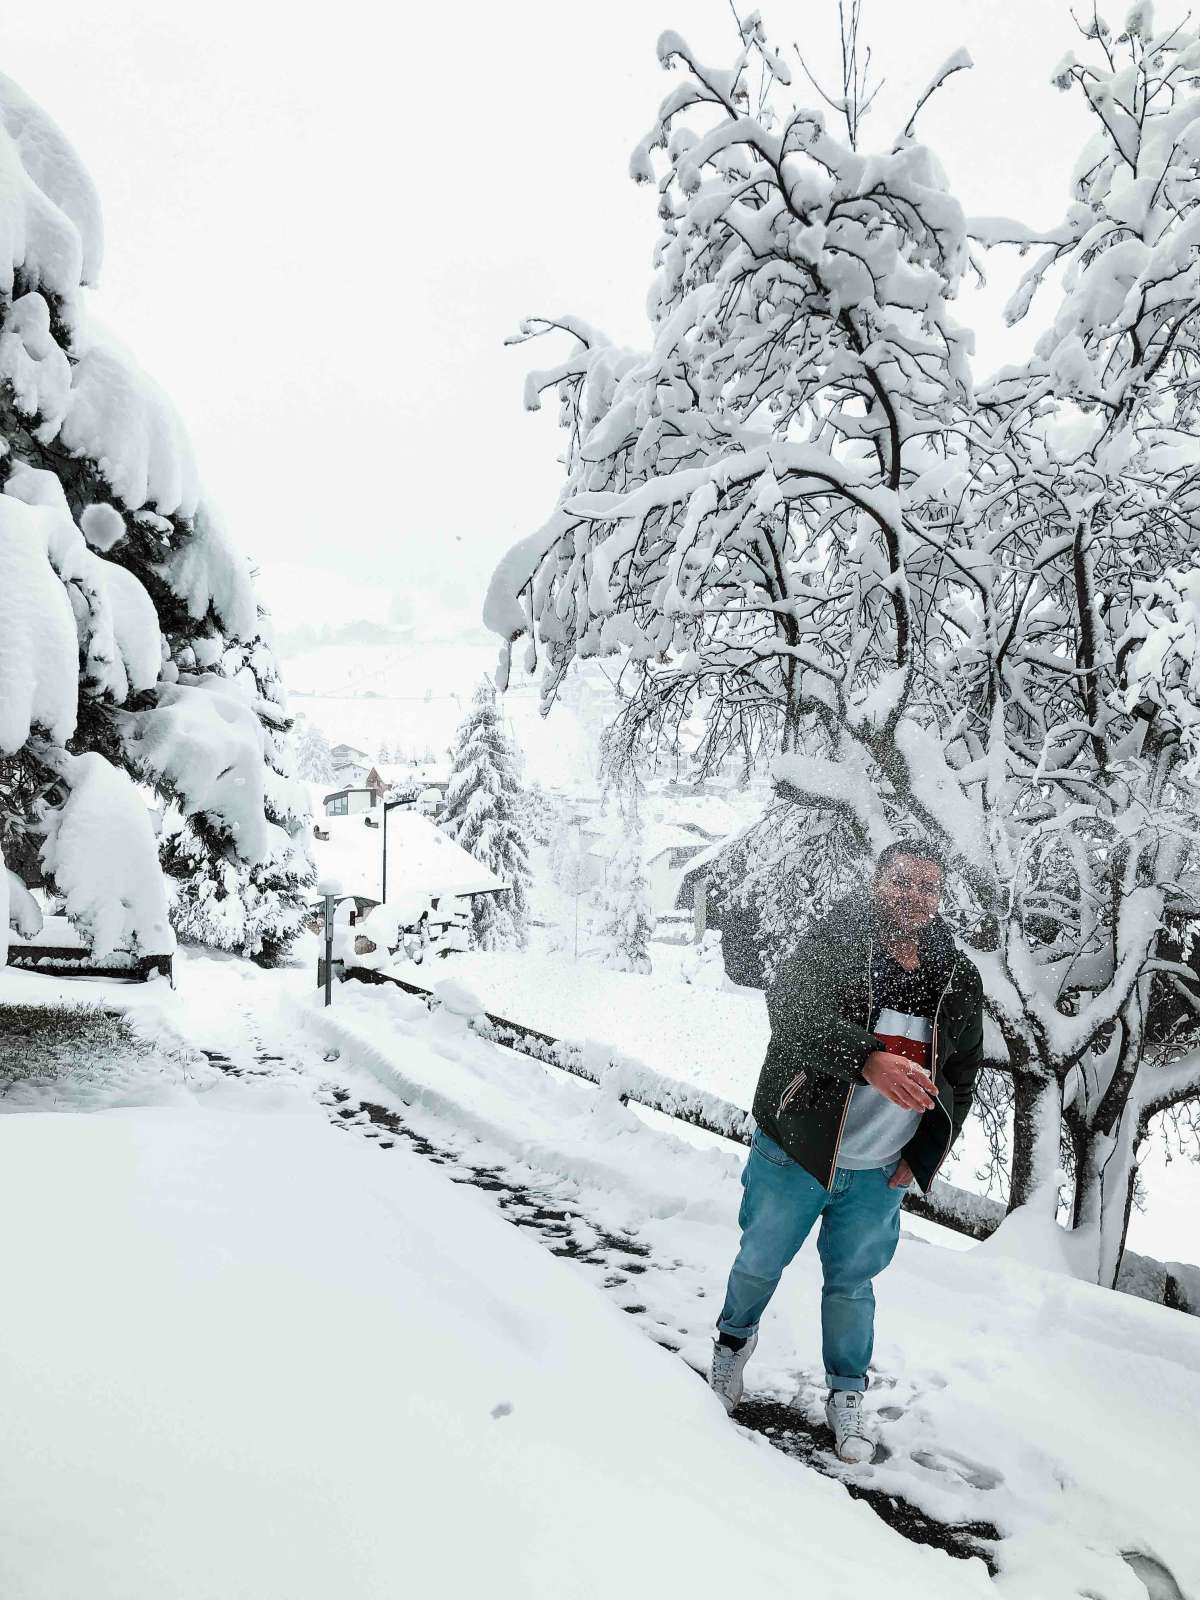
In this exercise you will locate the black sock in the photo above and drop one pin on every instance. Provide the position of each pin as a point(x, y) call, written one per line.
point(732, 1341)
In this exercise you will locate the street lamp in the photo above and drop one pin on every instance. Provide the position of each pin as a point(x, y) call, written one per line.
point(390, 805)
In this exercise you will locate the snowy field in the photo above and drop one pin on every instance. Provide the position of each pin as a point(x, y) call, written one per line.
point(709, 1038)
point(414, 695)
point(275, 1360)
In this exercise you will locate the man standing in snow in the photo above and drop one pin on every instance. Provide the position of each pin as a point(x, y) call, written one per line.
point(876, 1040)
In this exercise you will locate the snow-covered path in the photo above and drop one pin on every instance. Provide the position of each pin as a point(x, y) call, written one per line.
point(1059, 1412)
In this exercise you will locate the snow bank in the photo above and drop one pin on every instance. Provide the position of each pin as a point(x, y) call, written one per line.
point(324, 1370)
point(1031, 1235)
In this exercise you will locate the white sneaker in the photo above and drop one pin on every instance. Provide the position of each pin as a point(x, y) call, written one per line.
point(725, 1373)
point(844, 1414)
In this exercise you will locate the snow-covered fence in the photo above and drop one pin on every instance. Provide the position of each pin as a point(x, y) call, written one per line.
point(1168, 1283)
point(627, 1078)
point(1173, 1284)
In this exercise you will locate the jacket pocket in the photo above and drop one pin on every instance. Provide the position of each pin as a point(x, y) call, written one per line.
point(790, 1091)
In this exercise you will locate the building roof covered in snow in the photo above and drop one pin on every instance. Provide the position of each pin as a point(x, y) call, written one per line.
point(421, 859)
point(395, 775)
point(661, 836)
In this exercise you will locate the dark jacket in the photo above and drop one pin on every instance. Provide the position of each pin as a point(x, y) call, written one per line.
point(819, 1006)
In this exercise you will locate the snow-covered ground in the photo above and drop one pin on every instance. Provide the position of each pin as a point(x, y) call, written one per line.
point(712, 1039)
point(268, 1356)
point(271, 1361)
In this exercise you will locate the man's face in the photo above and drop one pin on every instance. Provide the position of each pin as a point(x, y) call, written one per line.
point(908, 892)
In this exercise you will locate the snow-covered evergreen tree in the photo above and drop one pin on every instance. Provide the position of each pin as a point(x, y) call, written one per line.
point(626, 920)
point(314, 755)
point(132, 641)
point(486, 813)
point(568, 866)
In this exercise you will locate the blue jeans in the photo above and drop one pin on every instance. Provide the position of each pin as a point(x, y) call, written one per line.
point(860, 1228)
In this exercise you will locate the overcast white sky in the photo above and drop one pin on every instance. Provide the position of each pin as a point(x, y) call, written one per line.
point(322, 221)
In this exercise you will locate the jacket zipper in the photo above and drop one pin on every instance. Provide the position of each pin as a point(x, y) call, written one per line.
point(794, 1086)
point(933, 1053)
point(837, 1143)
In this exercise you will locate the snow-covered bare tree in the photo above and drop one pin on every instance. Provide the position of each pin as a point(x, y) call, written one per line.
point(486, 813)
point(795, 521)
point(1076, 671)
point(801, 339)
point(626, 920)
point(132, 644)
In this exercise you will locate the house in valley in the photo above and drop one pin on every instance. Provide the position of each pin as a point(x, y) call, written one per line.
point(349, 801)
point(350, 764)
point(426, 783)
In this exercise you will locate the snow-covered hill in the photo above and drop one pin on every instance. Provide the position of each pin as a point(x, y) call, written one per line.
point(413, 691)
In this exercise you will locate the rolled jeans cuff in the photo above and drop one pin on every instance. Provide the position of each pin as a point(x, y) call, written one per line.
point(857, 1385)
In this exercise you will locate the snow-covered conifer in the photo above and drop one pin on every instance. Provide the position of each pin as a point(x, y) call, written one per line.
point(132, 643)
point(626, 920)
point(314, 755)
point(486, 813)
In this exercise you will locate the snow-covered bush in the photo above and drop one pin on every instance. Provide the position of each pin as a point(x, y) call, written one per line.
point(131, 645)
point(486, 813)
point(410, 928)
point(800, 530)
point(703, 964)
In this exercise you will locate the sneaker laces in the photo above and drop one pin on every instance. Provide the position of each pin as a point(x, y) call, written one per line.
point(724, 1359)
point(849, 1413)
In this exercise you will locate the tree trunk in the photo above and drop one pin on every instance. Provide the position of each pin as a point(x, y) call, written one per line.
point(1104, 1177)
point(1037, 1122)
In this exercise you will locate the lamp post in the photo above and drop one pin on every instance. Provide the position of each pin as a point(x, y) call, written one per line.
point(329, 905)
point(329, 889)
point(390, 805)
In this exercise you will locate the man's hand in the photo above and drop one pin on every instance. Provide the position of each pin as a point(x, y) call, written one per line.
point(902, 1177)
point(899, 1080)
